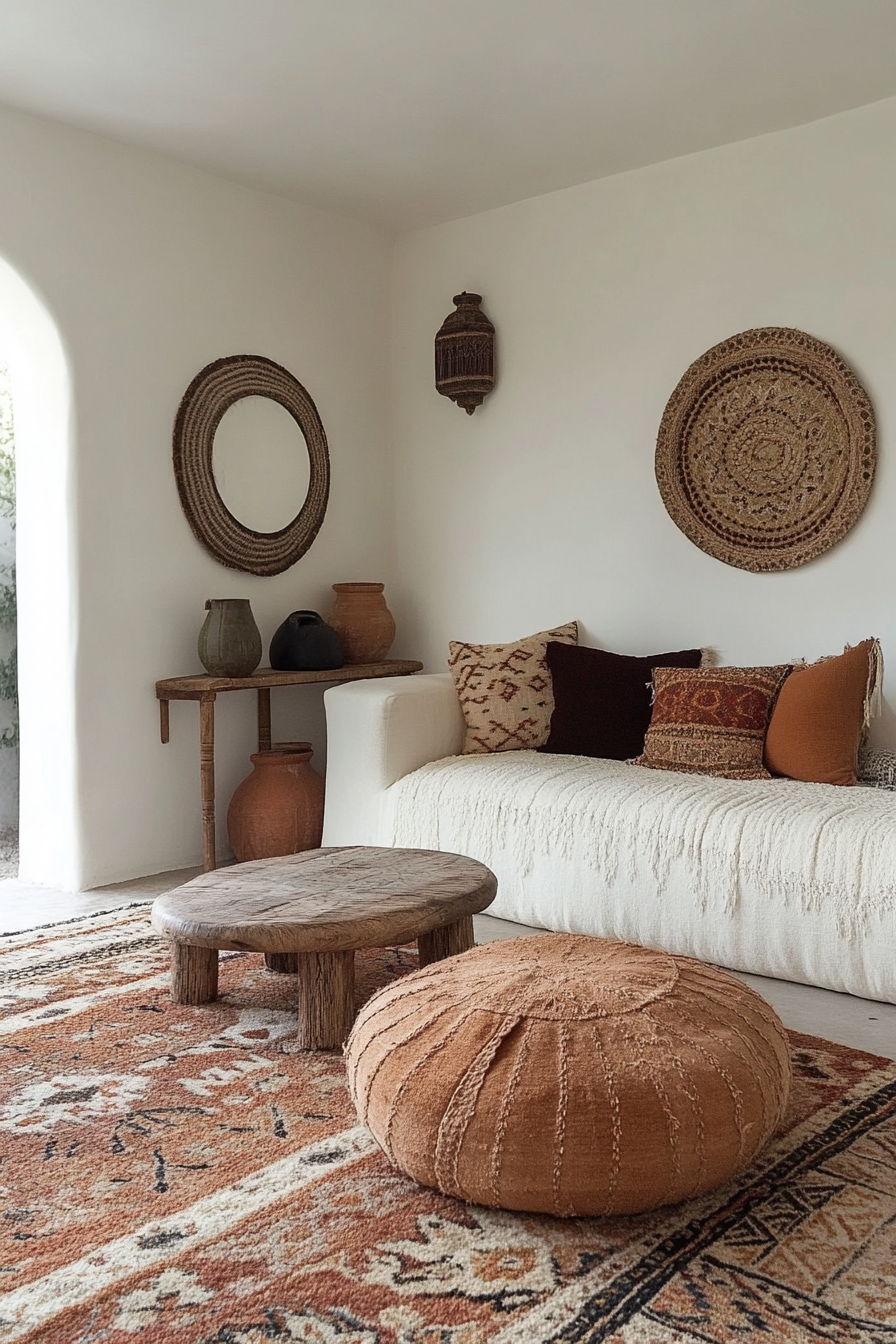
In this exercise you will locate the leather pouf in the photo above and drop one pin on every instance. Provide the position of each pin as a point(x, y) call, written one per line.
point(569, 1075)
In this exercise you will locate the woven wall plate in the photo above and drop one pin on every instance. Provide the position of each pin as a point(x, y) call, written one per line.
point(766, 450)
point(212, 392)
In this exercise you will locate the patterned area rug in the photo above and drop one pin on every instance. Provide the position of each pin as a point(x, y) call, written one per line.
point(185, 1175)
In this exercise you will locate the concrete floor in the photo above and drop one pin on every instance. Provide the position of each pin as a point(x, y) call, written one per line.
point(23, 906)
point(860, 1023)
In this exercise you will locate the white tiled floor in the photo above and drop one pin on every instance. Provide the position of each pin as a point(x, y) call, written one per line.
point(861, 1023)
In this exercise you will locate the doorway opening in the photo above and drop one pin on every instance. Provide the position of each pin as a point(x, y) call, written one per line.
point(45, 557)
point(9, 694)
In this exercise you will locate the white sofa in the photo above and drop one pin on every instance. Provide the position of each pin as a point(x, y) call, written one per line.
point(795, 881)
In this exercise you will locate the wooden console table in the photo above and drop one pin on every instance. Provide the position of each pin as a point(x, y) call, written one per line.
point(204, 689)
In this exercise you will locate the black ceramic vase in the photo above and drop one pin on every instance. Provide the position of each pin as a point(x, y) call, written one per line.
point(305, 643)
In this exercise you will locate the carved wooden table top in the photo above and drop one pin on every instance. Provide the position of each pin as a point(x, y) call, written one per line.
point(325, 900)
point(309, 912)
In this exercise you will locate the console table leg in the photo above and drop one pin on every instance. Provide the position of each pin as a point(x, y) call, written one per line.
point(446, 941)
point(326, 999)
point(194, 974)
point(207, 781)
point(284, 963)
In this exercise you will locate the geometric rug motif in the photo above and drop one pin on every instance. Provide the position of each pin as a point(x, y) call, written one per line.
point(176, 1175)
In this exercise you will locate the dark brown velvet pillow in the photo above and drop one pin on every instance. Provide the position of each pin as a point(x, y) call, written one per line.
point(602, 700)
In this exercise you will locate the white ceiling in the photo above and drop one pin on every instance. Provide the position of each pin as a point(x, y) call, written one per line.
point(409, 112)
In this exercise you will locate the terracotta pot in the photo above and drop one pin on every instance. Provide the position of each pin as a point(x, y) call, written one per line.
point(362, 621)
point(229, 641)
point(279, 808)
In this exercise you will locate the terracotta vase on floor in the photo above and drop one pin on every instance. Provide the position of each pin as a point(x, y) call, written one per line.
point(363, 622)
point(279, 808)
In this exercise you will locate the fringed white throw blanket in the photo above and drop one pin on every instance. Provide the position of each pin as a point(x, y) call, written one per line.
point(809, 845)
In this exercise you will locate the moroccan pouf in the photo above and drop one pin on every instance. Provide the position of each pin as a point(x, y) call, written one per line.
point(569, 1075)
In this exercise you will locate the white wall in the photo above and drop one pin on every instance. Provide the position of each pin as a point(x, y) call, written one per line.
point(540, 507)
point(543, 505)
point(150, 270)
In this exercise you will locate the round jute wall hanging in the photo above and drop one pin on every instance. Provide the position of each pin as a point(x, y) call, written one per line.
point(212, 392)
point(766, 450)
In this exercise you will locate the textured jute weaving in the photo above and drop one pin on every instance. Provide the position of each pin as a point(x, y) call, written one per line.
point(175, 1175)
point(212, 392)
point(711, 720)
point(766, 450)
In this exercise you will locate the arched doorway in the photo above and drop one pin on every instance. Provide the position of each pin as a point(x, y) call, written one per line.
point(49, 822)
point(9, 715)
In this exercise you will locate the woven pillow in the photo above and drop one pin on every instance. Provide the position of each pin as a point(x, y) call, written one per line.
point(877, 769)
point(711, 721)
point(602, 700)
point(818, 720)
point(505, 690)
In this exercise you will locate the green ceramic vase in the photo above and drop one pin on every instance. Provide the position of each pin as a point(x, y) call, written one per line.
point(229, 641)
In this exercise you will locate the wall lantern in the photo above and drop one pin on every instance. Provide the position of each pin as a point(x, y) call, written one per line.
point(465, 353)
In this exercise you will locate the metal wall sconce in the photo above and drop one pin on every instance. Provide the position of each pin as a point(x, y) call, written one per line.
point(465, 354)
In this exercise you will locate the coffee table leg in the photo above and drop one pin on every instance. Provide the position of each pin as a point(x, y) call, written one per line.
point(284, 963)
point(446, 941)
point(194, 974)
point(326, 999)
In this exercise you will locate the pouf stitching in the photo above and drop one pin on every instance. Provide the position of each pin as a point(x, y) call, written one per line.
point(672, 1124)
point(706, 997)
point(735, 1092)
point(434, 1050)
point(459, 1111)
point(497, 1153)
point(405, 1040)
point(687, 1088)
point(748, 1044)
point(616, 1122)
point(560, 1135)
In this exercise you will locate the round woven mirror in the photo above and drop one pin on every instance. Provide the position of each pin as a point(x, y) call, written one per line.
point(766, 450)
point(210, 395)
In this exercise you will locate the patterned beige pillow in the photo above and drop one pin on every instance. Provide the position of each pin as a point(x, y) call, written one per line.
point(505, 690)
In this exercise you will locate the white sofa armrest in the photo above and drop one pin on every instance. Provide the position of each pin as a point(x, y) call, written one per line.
point(377, 732)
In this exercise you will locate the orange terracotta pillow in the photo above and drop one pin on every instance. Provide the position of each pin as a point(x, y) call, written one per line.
point(817, 723)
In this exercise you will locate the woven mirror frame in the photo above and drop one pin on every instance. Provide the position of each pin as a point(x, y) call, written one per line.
point(766, 450)
point(212, 392)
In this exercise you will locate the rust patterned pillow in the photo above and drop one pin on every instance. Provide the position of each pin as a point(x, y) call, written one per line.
point(505, 690)
point(711, 720)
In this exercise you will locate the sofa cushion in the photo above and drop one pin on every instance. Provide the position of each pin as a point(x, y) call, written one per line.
point(711, 721)
point(672, 860)
point(817, 722)
point(505, 690)
point(602, 700)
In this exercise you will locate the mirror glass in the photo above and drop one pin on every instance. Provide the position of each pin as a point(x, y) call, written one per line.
point(261, 464)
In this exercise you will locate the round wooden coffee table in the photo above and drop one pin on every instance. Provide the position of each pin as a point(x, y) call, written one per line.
point(310, 912)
